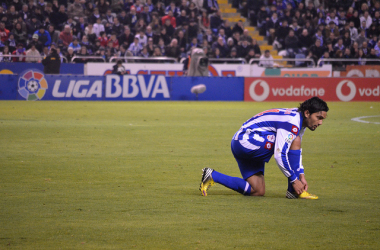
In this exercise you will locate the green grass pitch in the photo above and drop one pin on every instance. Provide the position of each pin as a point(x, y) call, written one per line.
point(125, 175)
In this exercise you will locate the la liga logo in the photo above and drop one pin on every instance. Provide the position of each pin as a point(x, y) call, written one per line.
point(32, 85)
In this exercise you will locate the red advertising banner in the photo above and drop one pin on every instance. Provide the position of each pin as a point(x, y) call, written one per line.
point(300, 89)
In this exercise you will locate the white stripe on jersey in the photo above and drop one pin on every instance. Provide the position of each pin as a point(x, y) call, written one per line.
point(248, 145)
point(268, 118)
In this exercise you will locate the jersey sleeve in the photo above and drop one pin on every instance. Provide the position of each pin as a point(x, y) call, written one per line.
point(285, 136)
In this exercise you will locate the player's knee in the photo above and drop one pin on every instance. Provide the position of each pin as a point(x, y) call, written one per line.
point(258, 192)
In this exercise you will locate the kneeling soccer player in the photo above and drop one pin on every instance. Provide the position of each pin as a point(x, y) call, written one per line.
point(274, 131)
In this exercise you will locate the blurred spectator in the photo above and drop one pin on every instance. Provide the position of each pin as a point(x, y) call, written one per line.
point(326, 55)
point(216, 21)
point(181, 41)
point(243, 48)
point(227, 28)
point(60, 17)
point(135, 47)
point(43, 36)
point(256, 47)
point(221, 46)
point(24, 13)
point(145, 15)
point(361, 57)
point(170, 17)
point(204, 21)
point(127, 37)
point(66, 36)
point(102, 6)
point(339, 45)
point(193, 29)
point(361, 37)
point(98, 27)
point(54, 34)
point(372, 55)
point(317, 50)
point(238, 27)
point(75, 10)
point(332, 28)
point(246, 36)
point(4, 33)
point(83, 53)
point(150, 46)
point(5, 55)
point(132, 17)
point(157, 52)
point(211, 6)
point(19, 34)
point(305, 40)
point(250, 55)
point(173, 50)
point(32, 55)
point(291, 44)
point(70, 54)
point(366, 18)
point(172, 7)
point(266, 60)
point(209, 37)
point(75, 45)
point(11, 42)
point(233, 53)
point(20, 52)
point(45, 51)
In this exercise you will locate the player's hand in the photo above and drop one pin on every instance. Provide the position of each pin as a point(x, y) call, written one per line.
point(298, 186)
point(304, 182)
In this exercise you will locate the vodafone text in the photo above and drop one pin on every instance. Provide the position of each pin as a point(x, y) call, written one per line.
point(291, 91)
point(128, 86)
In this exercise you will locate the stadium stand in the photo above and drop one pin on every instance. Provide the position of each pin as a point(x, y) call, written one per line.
point(104, 29)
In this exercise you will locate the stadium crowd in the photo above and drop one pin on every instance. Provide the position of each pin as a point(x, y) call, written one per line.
point(150, 28)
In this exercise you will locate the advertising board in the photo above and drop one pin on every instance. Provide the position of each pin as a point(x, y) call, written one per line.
point(33, 85)
point(297, 89)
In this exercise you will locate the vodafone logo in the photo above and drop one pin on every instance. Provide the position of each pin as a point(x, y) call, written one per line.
point(264, 95)
point(351, 95)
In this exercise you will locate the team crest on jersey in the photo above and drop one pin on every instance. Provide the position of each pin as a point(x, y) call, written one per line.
point(269, 145)
point(294, 130)
point(271, 138)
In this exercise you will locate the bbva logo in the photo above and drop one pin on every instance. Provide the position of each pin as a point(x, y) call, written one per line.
point(127, 86)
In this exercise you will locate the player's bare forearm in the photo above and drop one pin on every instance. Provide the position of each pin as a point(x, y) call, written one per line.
point(304, 182)
point(298, 186)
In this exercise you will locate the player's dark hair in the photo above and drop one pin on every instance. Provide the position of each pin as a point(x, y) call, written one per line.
point(314, 105)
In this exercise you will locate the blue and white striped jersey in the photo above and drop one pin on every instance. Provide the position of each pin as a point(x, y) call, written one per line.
point(275, 130)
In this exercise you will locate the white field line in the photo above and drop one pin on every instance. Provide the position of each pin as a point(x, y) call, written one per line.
point(360, 119)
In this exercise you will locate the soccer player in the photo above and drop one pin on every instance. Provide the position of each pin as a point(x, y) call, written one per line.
point(275, 132)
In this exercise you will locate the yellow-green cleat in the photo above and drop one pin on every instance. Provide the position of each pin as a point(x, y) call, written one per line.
point(206, 181)
point(304, 195)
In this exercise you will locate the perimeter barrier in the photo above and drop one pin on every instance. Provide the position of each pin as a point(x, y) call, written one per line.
point(34, 85)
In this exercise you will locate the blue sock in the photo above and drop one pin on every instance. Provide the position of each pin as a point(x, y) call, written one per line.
point(294, 157)
point(234, 183)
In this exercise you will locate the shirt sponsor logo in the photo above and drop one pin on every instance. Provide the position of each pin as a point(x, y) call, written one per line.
point(269, 145)
point(294, 130)
point(271, 138)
